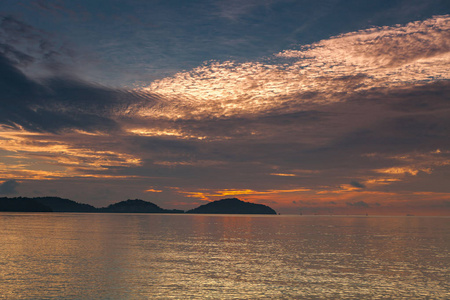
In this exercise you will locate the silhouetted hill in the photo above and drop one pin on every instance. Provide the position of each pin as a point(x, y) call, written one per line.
point(136, 206)
point(56, 204)
point(232, 206)
point(20, 204)
point(64, 205)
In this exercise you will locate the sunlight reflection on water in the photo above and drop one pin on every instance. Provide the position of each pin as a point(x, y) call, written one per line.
point(143, 256)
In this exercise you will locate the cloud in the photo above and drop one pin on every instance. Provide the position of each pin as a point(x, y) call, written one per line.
point(357, 184)
point(61, 103)
point(9, 187)
point(55, 102)
point(42, 89)
point(358, 204)
point(151, 190)
point(329, 71)
point(382, 46)
point(15, 30)
point(31, 49)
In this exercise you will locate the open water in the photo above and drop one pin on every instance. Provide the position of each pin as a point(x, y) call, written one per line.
point(151, 256)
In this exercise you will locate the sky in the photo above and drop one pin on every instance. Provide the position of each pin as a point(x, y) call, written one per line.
point(312, 107)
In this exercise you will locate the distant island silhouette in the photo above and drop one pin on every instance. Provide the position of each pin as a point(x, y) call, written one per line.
point(22, 205)
point(232, 206)
point(137, 206)
point(56, 204)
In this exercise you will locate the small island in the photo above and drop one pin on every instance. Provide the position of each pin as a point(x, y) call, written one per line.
point(232, 206)
point(43, 204)
point(22, 205)
point(136, 206)
point(56, 204)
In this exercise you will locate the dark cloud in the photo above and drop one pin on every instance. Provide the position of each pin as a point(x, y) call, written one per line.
point(60, 103)
point(13, 29)
point(54, 104)
point(9, 187)
point(357, 184)
point(22, 43)
point(396, 120)
point(430, 97)
point(59, 100)
point(16, 56)
point(358, 204)
point(34, 50)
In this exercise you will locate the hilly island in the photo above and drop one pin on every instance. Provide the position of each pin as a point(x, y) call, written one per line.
point(56, 204)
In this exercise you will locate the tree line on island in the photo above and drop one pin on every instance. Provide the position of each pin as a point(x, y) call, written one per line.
point(56, 204)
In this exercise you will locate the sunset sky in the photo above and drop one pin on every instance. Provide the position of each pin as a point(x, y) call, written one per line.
point(326, 106)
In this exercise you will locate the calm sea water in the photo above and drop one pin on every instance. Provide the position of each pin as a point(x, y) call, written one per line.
point(149, 256)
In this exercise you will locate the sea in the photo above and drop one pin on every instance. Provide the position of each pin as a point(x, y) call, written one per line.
point(164, 256)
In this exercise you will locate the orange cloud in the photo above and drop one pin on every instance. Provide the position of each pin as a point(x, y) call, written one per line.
point(208, 194)
point(403, 170)
point(283, 174)
point(153, 191)
point(39, 156)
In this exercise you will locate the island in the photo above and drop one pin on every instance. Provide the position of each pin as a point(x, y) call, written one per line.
point(22, 205)
point(232, 206)
point(56, 204)
point(137, 206)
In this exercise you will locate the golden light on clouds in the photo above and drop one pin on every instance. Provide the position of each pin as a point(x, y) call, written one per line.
point(44, 156)
point(283, 174)
point(164, 132)
point(401, 171)
point(151, 190)
point(321, 73)
point(209, 194)
point(411, 164)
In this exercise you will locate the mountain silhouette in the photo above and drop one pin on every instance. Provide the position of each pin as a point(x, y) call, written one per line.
point(136, 206)
point(57, 204)
point(20, 204)
point(232, 206)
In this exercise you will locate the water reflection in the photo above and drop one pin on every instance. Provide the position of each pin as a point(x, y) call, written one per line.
point(139, 256)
